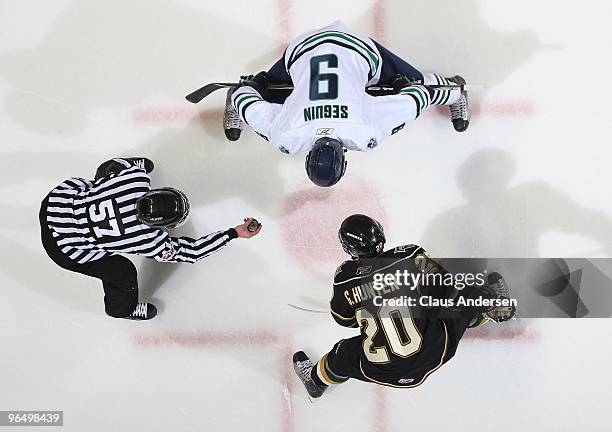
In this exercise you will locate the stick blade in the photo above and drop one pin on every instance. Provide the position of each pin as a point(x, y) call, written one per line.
point(202, 92)
point(306, 309)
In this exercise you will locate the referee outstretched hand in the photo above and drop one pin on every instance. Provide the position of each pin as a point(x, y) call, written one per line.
point(249, 228)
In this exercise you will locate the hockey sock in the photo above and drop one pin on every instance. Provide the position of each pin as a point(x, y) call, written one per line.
point(324, 375)
point(441, 96)
point(315, 376)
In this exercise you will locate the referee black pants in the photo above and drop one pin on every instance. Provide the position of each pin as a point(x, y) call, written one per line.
point(117, 273)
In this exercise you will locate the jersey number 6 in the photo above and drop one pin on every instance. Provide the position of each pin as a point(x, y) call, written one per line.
point(323, 85)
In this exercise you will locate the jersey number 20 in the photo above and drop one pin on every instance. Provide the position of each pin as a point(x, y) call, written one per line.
point(403, 338)
point(323, 85)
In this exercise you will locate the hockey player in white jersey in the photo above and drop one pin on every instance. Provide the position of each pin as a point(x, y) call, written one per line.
point(329, 111)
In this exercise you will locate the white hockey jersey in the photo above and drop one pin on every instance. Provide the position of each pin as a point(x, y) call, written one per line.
point(330, 69)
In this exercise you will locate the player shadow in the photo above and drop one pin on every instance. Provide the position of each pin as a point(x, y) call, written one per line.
point(40, 171)
point(46, 281)
point(115, 55)
point(152, 275)
point(500, 219)
point(36, 173)
point(459, 42)
point(202, 163)
point(454, 38)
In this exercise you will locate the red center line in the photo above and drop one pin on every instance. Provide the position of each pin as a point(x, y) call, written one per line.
point(380, 418)
point(238, 339)
point(380, 404)
point(513, 330)
point(287, 420)
point(174, 113)
point(286, 409)
point(507, 108)
point(199, 338)
point(284, 14)
point(378, 16)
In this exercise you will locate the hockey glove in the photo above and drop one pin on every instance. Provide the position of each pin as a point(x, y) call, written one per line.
point(399, 82)
point(114, 166)
point(259, 82)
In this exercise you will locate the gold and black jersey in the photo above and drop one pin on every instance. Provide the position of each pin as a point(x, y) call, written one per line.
point(403, 341)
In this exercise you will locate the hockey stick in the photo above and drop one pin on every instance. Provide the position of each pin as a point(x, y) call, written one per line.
point(202, 92)
point(306, 309)
point(199, 94)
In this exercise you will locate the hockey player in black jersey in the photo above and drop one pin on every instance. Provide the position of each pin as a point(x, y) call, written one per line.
point(408, 330)
point(86, 224)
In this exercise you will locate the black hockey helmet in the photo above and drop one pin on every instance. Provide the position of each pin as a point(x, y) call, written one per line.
point(326, 164)
point(163, 208)
point(361, 236)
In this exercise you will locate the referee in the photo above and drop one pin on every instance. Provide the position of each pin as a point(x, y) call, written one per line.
point(85, 225)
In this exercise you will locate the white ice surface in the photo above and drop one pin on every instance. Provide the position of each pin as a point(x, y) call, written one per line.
point(85, 80)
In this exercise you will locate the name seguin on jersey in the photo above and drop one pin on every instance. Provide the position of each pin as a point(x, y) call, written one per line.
point(325, 111)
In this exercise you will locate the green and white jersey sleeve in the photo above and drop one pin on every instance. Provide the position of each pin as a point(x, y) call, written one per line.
point(391, 113)
point(255, 111)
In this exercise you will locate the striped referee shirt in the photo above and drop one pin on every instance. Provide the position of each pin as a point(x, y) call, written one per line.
point(90, 220)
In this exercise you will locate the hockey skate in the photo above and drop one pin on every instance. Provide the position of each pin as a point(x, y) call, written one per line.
point(142, 162)
point(501, 313)
point(496, 287)
point(232, 125)
point(460, 111)
point(303, 368)
point(142, 312)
